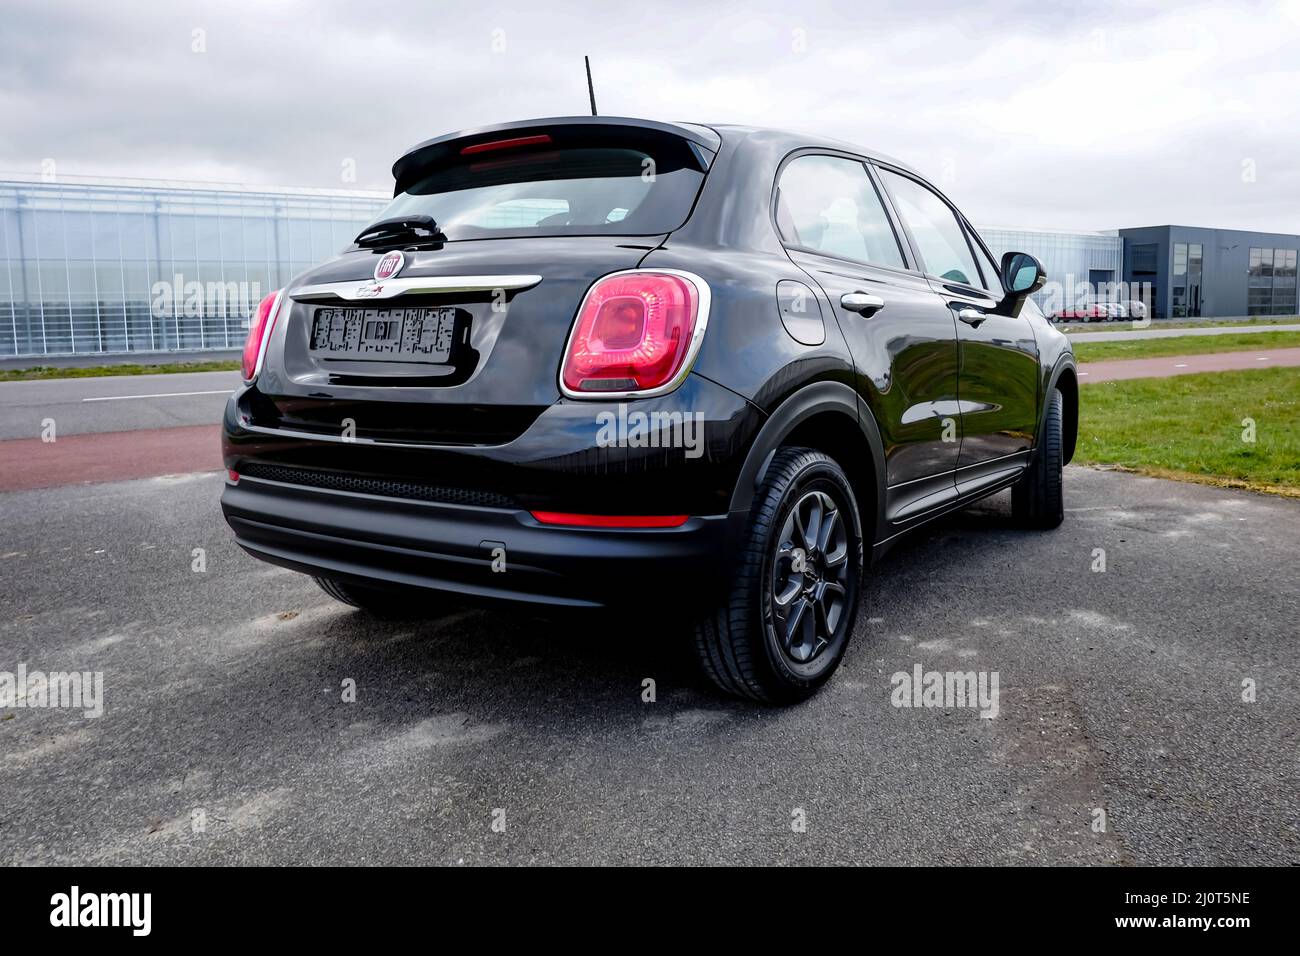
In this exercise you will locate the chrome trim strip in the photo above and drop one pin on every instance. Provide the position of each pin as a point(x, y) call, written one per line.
point(362, 290)
point(697, 338)
point(340, 440)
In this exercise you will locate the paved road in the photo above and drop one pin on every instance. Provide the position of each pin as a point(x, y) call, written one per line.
point(1119, 691)
point(1186, 364)
point(1155, 333)
point(113, 403)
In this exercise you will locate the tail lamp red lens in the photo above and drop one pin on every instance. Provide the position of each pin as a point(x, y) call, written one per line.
point(259, 329)
point(633, 333)
point(610, 521)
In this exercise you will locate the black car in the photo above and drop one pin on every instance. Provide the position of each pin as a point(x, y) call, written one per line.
point(648, 367)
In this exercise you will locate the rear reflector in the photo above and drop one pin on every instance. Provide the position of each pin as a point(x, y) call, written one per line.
point(232, 474)
point(635, 333)
point(505, 144)
point(610, 521)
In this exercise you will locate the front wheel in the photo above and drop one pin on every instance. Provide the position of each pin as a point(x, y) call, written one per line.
point(786, 623)
point(1037, 498)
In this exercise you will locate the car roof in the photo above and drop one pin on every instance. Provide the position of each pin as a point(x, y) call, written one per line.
point(800, 140)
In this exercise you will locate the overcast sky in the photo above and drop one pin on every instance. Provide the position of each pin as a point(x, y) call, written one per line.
point(1046, 114)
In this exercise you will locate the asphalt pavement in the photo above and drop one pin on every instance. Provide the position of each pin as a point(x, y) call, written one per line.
point(1147, 714)
point(113, 403)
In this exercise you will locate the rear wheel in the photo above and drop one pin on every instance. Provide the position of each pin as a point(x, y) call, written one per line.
point(396, 603)
point(1037, 498)
point(785, 625)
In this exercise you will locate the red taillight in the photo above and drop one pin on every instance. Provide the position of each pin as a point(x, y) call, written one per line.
point(505, 144)
point(634, 333)
point(232, 474)
point(258, 330)
point(610, 521)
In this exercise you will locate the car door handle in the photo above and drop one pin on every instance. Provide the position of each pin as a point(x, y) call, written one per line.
point(972, 317)
point(863, 302)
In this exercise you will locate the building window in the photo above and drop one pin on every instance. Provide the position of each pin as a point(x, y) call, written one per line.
point(1271, 282)
point(1178, 306)
point(1284, 281)
point(1144, 259)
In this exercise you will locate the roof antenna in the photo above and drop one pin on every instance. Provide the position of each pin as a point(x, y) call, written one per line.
point(591, 90)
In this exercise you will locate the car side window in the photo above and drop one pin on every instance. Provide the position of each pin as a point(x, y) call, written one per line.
point(939, 237)
point(829, 204)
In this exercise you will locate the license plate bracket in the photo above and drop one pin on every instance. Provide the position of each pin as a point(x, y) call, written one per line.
point(398, 334)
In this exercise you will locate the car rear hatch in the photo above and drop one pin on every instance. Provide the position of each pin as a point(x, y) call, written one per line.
point(495, 237)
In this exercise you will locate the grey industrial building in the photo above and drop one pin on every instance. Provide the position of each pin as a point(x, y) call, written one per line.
point(1213, 272)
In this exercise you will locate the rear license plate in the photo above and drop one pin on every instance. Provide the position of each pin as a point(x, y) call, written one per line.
point(424, 335)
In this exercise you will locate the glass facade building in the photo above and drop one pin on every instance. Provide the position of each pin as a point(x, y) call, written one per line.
point(131, 266)
point(120, 266)
point(1069, 258)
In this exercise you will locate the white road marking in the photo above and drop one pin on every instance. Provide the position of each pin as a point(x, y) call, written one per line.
point(1262, 358)
point(1182, 365)
point(118, 398)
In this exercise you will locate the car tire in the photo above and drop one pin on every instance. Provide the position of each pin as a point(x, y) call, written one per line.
point(389, 603)
point(1037, 498)
point(804, 515)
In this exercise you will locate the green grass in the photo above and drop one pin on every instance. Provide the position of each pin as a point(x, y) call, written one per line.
point(1184, 345)
point(1190, 427)
point(1126, 325)
point(94, 371)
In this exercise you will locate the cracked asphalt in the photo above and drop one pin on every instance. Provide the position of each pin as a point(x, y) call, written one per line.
point(226, 738)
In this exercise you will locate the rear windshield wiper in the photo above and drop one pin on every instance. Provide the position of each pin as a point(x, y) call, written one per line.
point(400, 229)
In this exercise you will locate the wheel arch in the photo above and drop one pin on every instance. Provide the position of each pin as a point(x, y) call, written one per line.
point(1065, 377)
point(830, 417)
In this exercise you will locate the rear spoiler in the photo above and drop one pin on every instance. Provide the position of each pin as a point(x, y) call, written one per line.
point(704, 143)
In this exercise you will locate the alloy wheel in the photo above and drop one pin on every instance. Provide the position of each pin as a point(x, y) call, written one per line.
point(810, 577)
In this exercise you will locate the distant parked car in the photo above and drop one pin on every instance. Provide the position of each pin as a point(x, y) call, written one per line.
point(1086, 313)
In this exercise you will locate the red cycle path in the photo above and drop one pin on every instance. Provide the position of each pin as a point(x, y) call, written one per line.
point(1168, 365)
point(108, 456)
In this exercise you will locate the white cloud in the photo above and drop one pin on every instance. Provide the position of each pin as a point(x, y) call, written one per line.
point(1093, 116)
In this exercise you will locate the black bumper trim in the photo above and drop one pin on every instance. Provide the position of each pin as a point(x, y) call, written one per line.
point(369, 539)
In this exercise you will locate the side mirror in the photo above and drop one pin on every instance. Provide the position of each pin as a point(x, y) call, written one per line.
point(1022, 275)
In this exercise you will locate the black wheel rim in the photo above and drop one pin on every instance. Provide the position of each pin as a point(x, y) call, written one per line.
point(810, 577)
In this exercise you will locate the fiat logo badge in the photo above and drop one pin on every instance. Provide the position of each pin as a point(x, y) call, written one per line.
point(390, 263)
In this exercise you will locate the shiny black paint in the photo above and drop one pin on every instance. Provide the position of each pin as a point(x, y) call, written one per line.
point(878, 386)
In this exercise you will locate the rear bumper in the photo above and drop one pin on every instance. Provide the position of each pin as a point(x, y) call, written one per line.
point(487, 553)
point(432, 515)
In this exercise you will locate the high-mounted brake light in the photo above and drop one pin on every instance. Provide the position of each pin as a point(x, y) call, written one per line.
point(505, 144)
point(610, 521)
point(636, 334)
point(259, 331)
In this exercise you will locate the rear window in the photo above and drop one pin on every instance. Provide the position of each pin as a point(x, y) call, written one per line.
point(552, 190)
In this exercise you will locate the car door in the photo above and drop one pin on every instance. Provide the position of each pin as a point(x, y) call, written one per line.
point(998, 377)
point(903, 338)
